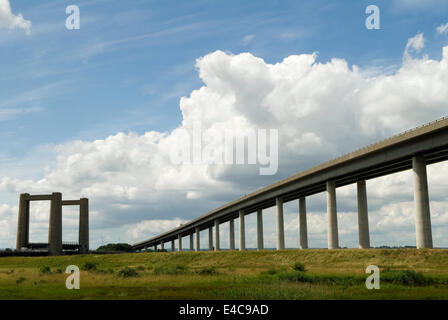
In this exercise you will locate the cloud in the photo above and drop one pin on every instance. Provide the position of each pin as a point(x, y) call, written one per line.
point(8, 217)
point(419, 5)
point(442, 29)
point(146, 228)
point(320, 109)
point(10, 21)
point(6, 114)
point(248, 38)
point(415, 44)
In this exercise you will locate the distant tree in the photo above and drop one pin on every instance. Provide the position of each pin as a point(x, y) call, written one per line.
point(116, 247)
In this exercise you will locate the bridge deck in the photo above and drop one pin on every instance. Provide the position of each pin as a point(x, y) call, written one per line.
point(385, 157)
point(44, 245)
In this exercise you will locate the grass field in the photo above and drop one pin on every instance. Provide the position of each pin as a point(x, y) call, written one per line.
point(328, 274)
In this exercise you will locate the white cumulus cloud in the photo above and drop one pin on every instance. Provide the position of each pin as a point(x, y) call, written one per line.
point(10, 21)
point(442, 29)
point(415, 44)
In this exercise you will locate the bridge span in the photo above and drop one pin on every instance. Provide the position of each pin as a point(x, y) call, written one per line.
point(413, 149)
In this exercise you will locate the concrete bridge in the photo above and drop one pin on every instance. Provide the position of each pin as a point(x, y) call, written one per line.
point(55, 246)
point(413, 149)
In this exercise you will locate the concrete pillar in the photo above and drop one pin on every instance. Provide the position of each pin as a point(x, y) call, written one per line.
point(198, 239)
point(84, 226)
point(191, 242)
point(179, 240)
point(173, 246)
point(23, 221)
point(242, 232)
point(27, 223)
point(363, 216)
point(155, 248)
point(217, 235)
point(303, 228)
point(232, 234)
point(421, 201)
point(333, 241)
point(210, 238)
point(55, 228)
point(260, 230)
point(280, 225)
point(162, 245)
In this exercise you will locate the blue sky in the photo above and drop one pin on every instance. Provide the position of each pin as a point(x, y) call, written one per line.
point(127, 67)
point(130, 62)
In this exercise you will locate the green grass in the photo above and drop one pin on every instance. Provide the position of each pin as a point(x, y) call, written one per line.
point(289, 274)
point(174, 269)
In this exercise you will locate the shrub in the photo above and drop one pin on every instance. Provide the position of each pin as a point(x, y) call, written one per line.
point(405, 277)
point(296, 276)
point(207, 271)
point(171, 269)
point(298, 267)
point(89, 266)
point(299, 276)
point(20, 280)
point(45, 270)
point(116, 247)
point(127, 273)
point(270, 272)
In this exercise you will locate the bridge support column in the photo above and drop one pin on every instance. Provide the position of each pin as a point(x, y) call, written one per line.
point(84, 226)
point(421, 200)
point(242, 232)
point(363, 216)
point(280, 225)
point(198, 239)
point(155, 248)
point(191, 242)
point(179, 240)
point(303, 230)
point(173, 246)
point(210, 238)
point(55, 229)
point(333, 240)
point(232, 234)
point(217, 235)
point(260, 241)
point(162, 245)
point(24, 221)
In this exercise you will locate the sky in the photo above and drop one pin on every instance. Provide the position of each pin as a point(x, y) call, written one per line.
point(95, 112)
